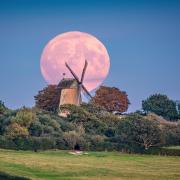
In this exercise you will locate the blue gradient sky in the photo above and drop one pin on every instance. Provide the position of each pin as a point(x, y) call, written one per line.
point(142, 38)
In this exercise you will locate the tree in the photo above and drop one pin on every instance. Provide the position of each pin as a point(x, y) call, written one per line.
point(24, 117)
point(160, 105)
point(15, 130)
point(78, 115)
point(3, 108)
point(136, 130)
point(48, 98)
point(178, 108)
point(111, 98)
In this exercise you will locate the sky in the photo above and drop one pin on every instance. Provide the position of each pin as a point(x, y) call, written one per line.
point(141, 37)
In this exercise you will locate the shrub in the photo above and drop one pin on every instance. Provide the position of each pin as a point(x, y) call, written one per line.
point(14, 130)
point(7, 143)
point(163, 151)
point(42, 143)
point(36, 129)
point(71, 138)
point(172, 134)
point(137, 131)
point(96, 142)
point(24, 117)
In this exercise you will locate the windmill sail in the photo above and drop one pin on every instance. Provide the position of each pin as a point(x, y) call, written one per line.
point(84, 70)
point(81, 87)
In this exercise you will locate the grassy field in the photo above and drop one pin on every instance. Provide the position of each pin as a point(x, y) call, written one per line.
point(94, 165)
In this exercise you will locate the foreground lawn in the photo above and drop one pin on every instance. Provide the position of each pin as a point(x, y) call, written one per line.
point(94, 165)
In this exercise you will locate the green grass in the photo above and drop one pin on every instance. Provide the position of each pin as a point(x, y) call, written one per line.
point(57, 165)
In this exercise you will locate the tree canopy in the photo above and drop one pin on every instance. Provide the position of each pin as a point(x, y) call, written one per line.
point(3, 108)
point(48, 98)
point(139, 131)
point(87, 127)
point(111, 98)
point(161, 105)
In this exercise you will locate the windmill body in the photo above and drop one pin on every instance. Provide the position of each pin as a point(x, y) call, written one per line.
point(69, 92)
point(71, 89)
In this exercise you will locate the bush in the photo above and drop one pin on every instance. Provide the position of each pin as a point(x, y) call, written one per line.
point(96, 142)
point(15, 130)
point(86, 127)
point(172, 134)
point(61, 144)
point(139, 132)
point(36, 129)
point(7, 143)
point(163, 151)
point(72, 138)
point(24, 117)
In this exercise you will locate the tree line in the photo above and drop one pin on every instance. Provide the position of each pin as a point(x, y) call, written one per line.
point(91, 126)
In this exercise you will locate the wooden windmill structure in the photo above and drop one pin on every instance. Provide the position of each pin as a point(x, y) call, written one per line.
point(71, 88)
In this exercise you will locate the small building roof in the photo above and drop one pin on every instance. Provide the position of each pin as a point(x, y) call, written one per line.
point(67, 83)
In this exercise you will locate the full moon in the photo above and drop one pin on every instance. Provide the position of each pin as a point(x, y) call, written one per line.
point(74, 48)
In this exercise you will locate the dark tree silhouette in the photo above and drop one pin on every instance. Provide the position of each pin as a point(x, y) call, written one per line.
point(111, 98)
point(161, 105)
point(3, 108)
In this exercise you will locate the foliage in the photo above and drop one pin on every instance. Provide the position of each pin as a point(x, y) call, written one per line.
point(96, 142)
point(138, 131)
point(36, 129)
point(172, 134)
point(42, 143)
point(24, 117)
point(80, 116)
point(18, 124)
point(71, 138)
point(48, 98)
point(89, 127)
point(160, 105)
point(15, 129)
point(111, 98)
point(178, 108)
point(166, 151)
point(3, 108)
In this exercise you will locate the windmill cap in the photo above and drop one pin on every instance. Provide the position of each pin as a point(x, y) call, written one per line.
point(66, 83)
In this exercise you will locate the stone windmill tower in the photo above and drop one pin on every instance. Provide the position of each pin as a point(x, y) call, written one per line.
point(71, 88)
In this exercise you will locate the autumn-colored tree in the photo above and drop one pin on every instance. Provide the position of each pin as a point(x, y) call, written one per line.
point(111, 98)
point(48, 98)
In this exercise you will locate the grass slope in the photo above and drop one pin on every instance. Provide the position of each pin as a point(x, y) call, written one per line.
point(95, 165)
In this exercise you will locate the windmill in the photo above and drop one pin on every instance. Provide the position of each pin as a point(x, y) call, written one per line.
point(71, 88)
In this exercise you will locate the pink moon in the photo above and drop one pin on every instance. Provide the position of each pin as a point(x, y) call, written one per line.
point(74, 47)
